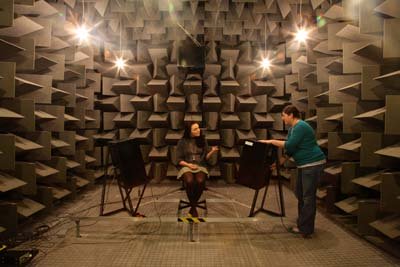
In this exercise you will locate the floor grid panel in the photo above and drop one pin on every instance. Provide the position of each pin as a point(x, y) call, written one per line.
point(119, 242)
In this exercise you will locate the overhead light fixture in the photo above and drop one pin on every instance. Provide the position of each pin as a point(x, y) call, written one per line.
point(266, 63)
point(120, 63)
point(301, 35)
point(82, 33)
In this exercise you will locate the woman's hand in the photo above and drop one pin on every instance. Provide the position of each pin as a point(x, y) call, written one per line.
point(214, 149)
point(265, 141)
point(193, 166)
point(281, 162)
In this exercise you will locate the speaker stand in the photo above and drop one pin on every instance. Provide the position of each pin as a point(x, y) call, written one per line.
point(124, 191)
point(281, 200)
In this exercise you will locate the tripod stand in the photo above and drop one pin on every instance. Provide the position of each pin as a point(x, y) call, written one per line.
point(125, 186)
point(255, 172)
point(281, 201)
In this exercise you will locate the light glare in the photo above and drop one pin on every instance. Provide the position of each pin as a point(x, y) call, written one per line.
point(82, 33)
point(266, 63)
point(120, 63)
point(302, 35)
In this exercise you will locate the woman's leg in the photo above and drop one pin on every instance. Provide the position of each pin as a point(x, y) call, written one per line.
point(201, 184)
point(189, 181)
point(190, 185)
point(310, 177)
point(299, 194)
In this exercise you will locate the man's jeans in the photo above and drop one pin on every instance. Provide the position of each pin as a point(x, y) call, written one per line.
point(306, 189)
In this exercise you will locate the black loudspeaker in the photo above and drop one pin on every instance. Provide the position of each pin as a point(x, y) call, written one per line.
point(126, 156)
point(255, 164)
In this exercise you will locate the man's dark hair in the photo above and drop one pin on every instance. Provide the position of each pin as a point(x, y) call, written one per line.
point(290, 109)
point(200, 141)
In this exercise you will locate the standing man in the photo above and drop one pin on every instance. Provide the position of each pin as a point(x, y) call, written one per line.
point(301, 144)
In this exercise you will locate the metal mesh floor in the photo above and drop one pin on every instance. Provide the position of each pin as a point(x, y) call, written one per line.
point(120, 242)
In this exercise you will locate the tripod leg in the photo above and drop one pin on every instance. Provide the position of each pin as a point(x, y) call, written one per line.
point(282, 203)
point(253, 205)
point(103, 191)
point(103, 194)
point(122, 194)
point(128, 198)
point(140, 198)
point(264, 196)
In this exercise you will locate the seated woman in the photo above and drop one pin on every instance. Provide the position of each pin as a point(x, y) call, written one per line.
point(193, 154)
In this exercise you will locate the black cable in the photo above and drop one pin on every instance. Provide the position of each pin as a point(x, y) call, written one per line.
point(112, 181)
point(39, 234)
point(63, 220)
point(278, 175)
point(157, 213)
point(39, 257)
point(120, 201)
point(279, 206)
point(131, 239)
point(40, 230)
point(155, 206)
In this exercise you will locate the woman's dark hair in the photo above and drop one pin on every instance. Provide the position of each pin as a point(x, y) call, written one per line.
point(290, 109)
point(200, 141)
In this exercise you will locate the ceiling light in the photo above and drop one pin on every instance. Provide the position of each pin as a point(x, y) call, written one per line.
point(120, 63)
point(301, 35)
point(82, 33)
point(266, 63)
